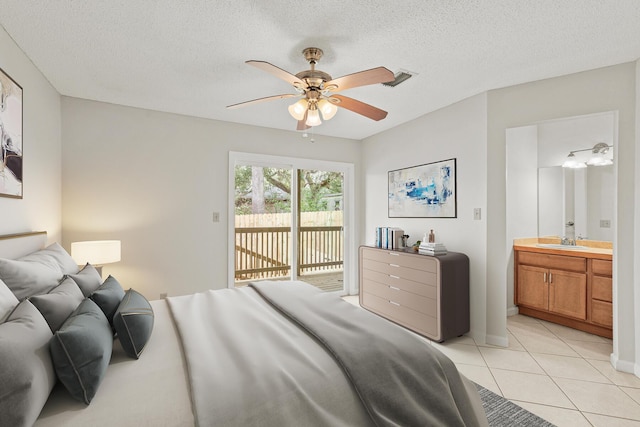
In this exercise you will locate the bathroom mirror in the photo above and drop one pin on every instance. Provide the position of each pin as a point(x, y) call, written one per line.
point(542, 197)
point(583, 197)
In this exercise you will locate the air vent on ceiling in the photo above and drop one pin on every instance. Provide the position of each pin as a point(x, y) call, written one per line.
point(400, 76)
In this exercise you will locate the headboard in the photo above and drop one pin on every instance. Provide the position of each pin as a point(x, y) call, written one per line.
point(14, 246)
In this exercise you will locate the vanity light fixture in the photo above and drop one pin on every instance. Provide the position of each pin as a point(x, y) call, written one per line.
point(597, 159)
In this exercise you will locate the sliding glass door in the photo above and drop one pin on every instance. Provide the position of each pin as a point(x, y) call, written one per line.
point(288, 221)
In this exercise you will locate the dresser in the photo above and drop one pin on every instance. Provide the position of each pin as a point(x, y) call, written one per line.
point(427, 294)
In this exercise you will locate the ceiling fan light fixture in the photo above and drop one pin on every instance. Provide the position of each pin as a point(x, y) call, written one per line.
point(298, 109)
point(328, 109)
point(313, 117)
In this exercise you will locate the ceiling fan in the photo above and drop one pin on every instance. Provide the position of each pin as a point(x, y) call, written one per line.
point(317, 91)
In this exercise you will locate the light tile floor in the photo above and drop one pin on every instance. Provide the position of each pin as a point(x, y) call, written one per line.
point(558, 373)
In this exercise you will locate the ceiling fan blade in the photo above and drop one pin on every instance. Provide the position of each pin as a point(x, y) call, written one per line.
point(280, 73)
point(362, 78)
point(302, 124)
point(256, 101)
point(359, 107)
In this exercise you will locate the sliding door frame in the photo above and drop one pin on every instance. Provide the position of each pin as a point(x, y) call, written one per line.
point(295, 164)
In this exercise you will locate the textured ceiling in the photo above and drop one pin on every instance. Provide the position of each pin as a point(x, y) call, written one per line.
point(187, 56)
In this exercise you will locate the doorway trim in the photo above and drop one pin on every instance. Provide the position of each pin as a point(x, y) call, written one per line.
point(348, 170)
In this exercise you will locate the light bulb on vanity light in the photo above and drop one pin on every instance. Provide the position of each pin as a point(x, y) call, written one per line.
point(298, 109)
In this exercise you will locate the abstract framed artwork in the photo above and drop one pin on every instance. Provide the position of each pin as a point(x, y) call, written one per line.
point(10, 137)
point(424, 191)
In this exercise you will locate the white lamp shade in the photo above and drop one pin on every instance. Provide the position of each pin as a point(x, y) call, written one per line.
point(298, 109)
point(327, 108)
point(97, 252)
point(313, 118)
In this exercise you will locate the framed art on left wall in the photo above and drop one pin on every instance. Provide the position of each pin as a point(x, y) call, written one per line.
point(10, 137)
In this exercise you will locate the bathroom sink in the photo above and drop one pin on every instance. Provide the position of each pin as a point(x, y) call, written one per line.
point(560, 246)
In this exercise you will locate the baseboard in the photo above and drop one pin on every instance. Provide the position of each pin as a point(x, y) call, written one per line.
point(625, 366)
point(512, 311)
point(500, 341)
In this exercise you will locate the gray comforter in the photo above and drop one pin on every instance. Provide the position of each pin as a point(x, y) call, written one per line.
point(252, 365)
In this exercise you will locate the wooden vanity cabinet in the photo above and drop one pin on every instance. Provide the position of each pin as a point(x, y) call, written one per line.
point(601, 292)
point(571, 290)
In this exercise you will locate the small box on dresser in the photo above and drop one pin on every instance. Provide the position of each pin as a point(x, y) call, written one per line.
point(427, 294)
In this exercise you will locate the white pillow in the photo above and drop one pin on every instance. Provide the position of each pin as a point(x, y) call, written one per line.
point(8, 301)
point(34, 274)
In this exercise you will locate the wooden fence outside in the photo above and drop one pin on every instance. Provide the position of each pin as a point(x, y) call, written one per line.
point(263, 245)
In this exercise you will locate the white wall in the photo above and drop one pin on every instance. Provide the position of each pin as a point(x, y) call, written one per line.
point(606, 89)
point(40, 207)
point(153, 180)
point(522, 194)
point(457, 131)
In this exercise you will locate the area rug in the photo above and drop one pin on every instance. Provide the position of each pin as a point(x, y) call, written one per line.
point(501, 412)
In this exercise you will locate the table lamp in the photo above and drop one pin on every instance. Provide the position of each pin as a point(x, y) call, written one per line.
point(96, 252)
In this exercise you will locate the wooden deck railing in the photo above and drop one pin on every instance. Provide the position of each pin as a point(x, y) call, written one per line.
point(263, 252)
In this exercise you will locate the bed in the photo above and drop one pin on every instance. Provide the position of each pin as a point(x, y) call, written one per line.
point(274, 353)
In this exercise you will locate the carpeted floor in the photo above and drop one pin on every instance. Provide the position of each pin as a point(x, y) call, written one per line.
point(501, 412)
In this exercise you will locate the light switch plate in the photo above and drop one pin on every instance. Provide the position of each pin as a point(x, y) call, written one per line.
point(216, 217)
point(477, 214)
point(605, 223)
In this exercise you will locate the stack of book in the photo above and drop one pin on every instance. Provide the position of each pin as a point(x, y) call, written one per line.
point(389, 237)
point(432, 249)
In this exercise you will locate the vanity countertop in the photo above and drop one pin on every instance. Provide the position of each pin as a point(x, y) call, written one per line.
point(593, 249)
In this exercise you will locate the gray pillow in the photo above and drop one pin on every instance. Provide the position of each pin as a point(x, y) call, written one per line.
point(88, 279)
point(58, 304)
point(133, 322)
point(33, 274)
point(108, 297)
point(62, 257)
point(81, 351)
point(8, 301)
point(26, 371)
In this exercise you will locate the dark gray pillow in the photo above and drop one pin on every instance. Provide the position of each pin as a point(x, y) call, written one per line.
point(34, 274)
point(81, 351)
point(133, 322)
point(26, 371)
point(62, 257)
point(108, 297)
point(59, 303)
point(88, 279)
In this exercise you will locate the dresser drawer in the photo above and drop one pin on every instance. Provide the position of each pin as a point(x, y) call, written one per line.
point(602, 288)
point(422, 289)
point(415, 302)
point(421, 323)
point(602, 313)
point(398, 259)
point(395, 270)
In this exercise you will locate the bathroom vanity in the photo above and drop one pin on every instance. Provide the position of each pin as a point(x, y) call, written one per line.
point(571, 286)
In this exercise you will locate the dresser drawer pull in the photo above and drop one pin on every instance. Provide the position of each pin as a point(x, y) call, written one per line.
point(394, 265)
point(394, 288)
point(394, 303)
point(393, 277)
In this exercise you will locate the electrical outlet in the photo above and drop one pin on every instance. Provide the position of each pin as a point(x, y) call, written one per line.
point(605, 223)
point(477, 214)
point(163, 295)
point(216, 217)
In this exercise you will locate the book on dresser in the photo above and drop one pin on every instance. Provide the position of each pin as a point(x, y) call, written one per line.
point(427, 294)
point(427, 248)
